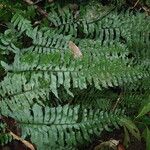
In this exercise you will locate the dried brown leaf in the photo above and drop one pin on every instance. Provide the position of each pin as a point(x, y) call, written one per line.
point(75, 50)
point(109, 144)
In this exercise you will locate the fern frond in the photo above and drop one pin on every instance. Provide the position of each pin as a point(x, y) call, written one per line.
point(61, 102)
point(63, 126)
point(46, 42)
point(111, 51)
point(112, 28)
point(8, 42)
point(64, 21)
point(40, 73)
point(125, 24)
point(22, 24)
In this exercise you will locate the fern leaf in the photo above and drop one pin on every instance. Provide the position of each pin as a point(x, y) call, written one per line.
point(21, 23)
point(40, 73)
point(63, 126)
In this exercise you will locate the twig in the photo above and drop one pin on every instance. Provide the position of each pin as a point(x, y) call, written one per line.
point(26, 143)
point(117, 102)
point(135, 4)
point(146, 10)
point(40, 10)
point(37, 1)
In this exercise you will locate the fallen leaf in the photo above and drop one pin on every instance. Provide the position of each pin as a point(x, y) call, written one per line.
point(75, 50)
point(113, 142)
point(108, 144)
